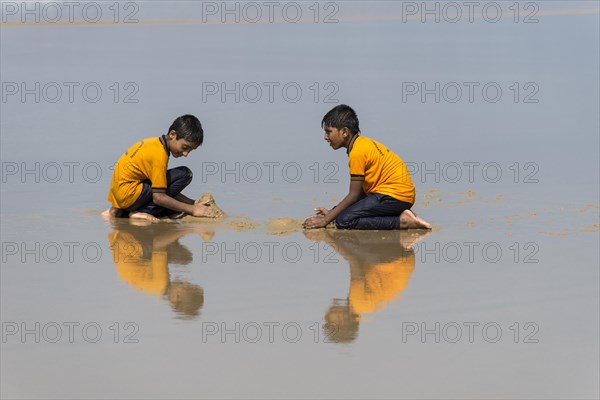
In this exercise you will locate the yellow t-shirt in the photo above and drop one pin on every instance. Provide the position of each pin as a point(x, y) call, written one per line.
point(381, 284)
point(148, 275)
point(380, 169)
point(145, 160)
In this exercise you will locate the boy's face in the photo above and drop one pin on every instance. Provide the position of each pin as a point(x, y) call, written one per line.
point(336, 137)
point(180, 147)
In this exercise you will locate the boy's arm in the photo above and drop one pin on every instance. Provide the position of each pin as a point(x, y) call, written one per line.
point(320, 221)
point(184, 199)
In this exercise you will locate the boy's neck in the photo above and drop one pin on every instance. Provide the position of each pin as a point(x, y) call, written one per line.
point(350, 142)
point(165, 141)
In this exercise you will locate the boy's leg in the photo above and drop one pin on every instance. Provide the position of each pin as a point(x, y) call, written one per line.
point(144, 199)
point(375, 211)
point(113, 212)
point(177, 180)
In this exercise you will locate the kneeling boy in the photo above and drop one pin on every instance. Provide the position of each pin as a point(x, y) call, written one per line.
point(381, 191)
point(141, 185)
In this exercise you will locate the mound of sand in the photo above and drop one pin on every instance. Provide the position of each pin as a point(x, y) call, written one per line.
point(216, 212)
point(241, 225)
point(208, 198)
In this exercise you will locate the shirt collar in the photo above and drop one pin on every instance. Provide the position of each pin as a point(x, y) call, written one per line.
point(163, 140)
point(351, 144)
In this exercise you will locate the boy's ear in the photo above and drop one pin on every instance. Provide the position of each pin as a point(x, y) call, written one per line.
point(172, 134)
point(345, 131)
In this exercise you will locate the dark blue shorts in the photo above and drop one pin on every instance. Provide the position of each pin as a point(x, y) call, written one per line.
point(177, 180)
point(374, 212)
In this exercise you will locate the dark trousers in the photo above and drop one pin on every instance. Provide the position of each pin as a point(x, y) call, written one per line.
point(374, 212)
point(177, 180)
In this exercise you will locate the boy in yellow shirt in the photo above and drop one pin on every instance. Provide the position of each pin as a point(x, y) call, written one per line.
point(381, 192)
point(141, 185)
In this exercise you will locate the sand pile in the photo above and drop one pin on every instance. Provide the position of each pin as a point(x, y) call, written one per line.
point(216, 212)
point(208, 198)
point(239, 225)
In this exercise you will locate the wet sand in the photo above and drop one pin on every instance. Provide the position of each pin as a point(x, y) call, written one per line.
point(180, 288)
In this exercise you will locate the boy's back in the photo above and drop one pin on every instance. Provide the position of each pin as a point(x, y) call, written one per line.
point(380, 169)
point(146, 159)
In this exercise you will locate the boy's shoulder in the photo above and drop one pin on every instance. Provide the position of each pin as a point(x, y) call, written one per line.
point(364, 144)
point(145, 142)
point(149, 147)
point(153, 140)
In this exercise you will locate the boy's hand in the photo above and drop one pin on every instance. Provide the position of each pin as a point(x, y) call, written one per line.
point(203, 210)
point(316, 221)
point(321, 211)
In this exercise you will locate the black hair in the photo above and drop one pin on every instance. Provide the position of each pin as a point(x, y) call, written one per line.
point(189, 128)
point(342, 116)
point(343, 320)
point(186, 299)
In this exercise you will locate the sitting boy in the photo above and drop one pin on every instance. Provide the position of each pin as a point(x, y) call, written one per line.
point(381, 191)
point(141, 185)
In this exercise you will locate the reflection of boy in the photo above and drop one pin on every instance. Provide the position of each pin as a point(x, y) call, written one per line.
point(142, 256)
point(373, 286)
point(381, 192)
point(380, 269)
point(141, 185)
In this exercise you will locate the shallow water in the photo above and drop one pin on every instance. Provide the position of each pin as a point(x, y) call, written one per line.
point(499, 301)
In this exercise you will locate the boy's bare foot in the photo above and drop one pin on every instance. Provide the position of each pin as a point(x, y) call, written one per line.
point(111, 213)
point(408, 220)
point(142, 215)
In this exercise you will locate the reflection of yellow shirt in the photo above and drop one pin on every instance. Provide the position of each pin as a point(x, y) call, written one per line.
point(145, 160)
point(147, 275)
point(380, 169)
point(381, 284)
